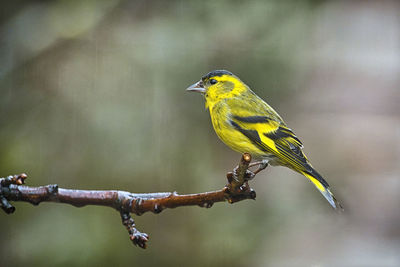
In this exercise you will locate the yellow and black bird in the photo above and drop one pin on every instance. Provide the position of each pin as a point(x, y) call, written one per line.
point(245, 123)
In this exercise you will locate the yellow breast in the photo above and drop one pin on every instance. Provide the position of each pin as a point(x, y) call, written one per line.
point(220, 116)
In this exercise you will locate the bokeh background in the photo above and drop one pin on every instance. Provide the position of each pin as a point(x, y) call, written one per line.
point(92, 96)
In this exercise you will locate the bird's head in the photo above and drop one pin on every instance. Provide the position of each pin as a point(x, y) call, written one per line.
point(217, 85)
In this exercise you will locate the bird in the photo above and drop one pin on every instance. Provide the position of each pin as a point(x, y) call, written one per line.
point(247, 124)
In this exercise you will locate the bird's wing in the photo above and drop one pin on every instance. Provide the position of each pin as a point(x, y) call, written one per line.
point(266, 129)
point(273, 137)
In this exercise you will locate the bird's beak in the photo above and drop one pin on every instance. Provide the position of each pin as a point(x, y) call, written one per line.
point(197, 87)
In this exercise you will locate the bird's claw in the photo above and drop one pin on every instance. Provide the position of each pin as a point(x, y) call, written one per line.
point(261, 166)
point(249, 175)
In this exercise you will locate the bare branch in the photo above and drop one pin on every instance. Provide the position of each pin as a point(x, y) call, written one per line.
point(237, 189)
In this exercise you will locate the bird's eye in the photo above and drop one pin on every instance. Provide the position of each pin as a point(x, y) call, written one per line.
point(213, 81)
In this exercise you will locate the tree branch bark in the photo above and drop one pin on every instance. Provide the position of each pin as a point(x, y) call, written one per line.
point(237, 189)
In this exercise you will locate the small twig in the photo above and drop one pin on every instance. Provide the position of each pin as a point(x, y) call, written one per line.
point(137, 238)
point(237, 189)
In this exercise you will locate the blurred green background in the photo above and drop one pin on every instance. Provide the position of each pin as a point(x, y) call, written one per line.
point(92, 96)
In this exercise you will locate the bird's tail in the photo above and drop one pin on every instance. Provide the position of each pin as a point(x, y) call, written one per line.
point(323, 187)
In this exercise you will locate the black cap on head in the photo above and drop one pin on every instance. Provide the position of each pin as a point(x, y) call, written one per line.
point(216, 73)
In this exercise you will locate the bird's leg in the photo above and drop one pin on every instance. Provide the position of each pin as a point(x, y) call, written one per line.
point(261, 166)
